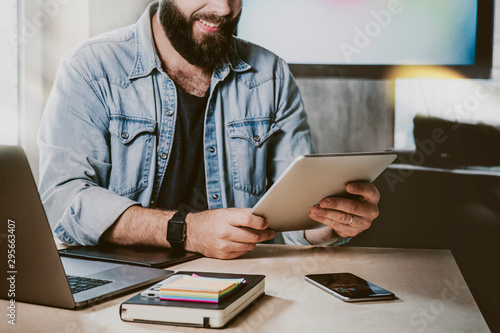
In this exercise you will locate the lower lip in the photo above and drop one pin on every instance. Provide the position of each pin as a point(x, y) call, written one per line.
point(206, 28)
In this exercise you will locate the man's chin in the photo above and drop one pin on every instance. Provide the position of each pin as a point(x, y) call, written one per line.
point(203, 37)
point(211, 48)
point(200, 38)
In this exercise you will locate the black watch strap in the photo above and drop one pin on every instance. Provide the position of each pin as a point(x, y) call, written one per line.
point(176, 230)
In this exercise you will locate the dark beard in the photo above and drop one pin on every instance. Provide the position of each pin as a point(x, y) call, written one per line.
point(208, 51)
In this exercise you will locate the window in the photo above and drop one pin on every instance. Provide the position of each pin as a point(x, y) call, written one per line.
point(458, 100)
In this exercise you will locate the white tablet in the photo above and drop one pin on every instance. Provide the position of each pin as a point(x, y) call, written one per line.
point(309, 179)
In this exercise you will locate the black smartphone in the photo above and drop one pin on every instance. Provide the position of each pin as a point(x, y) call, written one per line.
point(349, 287)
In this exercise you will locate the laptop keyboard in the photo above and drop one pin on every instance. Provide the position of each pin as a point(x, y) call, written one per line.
point(80, 283)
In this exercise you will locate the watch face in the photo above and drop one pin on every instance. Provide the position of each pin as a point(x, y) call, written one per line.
point(175, 231)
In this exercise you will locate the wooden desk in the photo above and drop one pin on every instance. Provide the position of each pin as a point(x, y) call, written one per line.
point(432, 295)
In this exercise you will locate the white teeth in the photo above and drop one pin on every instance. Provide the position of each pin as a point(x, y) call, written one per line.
point(211, 25)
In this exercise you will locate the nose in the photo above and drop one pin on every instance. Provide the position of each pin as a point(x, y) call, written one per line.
point(221, 7)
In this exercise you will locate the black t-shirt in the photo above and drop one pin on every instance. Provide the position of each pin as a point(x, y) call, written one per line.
point(183, 185)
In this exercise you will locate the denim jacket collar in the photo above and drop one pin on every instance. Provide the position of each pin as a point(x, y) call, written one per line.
point(233, 62)
point(146, 58)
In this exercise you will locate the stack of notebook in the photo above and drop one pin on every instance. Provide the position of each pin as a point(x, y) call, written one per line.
point(200, 299)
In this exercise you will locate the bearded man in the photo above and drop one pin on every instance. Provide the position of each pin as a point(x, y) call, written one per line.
point(164, 133)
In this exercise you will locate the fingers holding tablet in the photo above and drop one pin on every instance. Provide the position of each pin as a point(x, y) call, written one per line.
point(349, 216)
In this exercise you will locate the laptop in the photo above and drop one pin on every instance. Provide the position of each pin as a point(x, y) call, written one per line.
point(35, 272)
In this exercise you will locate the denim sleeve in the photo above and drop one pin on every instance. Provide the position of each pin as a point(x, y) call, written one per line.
point(74, 159)
point(293, 139)
point(298, 238)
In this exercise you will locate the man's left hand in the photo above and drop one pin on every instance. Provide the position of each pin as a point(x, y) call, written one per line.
point(349, 217)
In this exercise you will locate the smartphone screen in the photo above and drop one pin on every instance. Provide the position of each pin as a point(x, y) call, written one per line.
point(349, 287)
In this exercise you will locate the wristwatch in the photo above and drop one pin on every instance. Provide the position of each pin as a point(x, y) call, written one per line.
point(176, 231)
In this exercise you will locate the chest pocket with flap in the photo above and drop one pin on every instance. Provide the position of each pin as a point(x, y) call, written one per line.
point(132, 152)
point(249, 140)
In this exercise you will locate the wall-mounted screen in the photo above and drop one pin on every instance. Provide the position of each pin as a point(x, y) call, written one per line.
point(366, 38)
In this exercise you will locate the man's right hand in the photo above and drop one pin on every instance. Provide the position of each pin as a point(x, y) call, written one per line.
point(225, 233)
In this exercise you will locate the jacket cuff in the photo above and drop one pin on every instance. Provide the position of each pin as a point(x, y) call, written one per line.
point(86, 226)
point(298, 238)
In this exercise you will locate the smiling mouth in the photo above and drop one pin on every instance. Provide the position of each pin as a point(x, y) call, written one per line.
point(209, 24)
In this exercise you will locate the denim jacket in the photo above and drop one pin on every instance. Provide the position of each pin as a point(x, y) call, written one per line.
point(108, 127)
